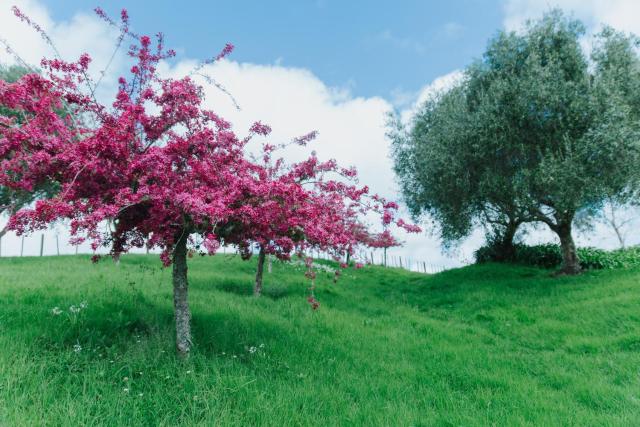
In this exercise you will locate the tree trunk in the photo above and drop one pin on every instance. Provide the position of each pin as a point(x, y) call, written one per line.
point(619, 234)
point(570, 260)
point(507, 248)
point(257, 290)
point(180, 297)
point(616, 227)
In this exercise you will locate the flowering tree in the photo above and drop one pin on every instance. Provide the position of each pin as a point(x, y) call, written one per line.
point(384, 241)
point(306, 206)
point(158, 167)
point(155, 164)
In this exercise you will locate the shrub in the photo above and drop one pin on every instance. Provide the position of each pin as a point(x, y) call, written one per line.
point(550, 256)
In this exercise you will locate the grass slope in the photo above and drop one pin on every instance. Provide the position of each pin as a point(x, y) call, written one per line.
point(482, 345)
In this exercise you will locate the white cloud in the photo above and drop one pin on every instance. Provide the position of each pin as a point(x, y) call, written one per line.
point(620, 14)
point(83, 33)
point(439, 85)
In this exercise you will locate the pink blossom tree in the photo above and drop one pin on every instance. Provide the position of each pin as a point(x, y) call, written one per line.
point(155, 163)
point(307, 206)
point(384, 241)
point(160, 168)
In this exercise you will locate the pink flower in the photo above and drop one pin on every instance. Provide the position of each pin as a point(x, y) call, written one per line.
point(260, 129)
point(228, 48)
point(313, 303)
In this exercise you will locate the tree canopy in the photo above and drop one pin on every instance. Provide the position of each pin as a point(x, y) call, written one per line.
point(535, 131)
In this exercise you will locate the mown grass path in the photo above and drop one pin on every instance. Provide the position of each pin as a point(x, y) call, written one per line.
point(482, 345)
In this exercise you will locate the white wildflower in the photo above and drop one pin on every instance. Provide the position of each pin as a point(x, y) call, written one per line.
point(126, 389)
point(84, 305)
point(73, 309)
point(252, 349)
point(77, 348)
point(56, 311)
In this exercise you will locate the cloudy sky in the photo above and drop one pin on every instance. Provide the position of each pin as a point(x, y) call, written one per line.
point(327, 65)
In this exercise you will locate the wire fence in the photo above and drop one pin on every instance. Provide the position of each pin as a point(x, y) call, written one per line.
point(50, 243)
point(394, 261)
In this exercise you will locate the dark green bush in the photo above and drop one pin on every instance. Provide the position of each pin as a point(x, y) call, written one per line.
point(550, 256)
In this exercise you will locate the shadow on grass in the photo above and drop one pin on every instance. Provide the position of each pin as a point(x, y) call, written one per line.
point(244, 288)
point(121, 322)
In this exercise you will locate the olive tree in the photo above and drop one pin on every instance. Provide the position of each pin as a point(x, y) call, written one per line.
point(451, 166)
point(535, 127)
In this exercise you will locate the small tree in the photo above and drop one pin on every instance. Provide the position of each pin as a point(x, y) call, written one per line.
point(384, 241)
point(305, 207)
point(619, 216)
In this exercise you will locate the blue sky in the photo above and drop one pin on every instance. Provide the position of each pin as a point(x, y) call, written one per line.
point(370, 47)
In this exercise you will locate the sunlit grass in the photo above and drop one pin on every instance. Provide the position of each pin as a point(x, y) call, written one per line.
point(483, 345)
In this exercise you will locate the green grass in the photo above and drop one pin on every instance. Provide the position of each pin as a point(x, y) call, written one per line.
point(483, 345)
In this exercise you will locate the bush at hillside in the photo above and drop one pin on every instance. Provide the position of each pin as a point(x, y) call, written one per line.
point(550, 256)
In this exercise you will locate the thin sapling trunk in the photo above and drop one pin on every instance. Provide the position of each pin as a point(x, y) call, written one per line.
point(257, 290)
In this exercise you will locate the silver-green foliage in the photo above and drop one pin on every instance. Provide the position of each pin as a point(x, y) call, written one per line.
point(536, 131)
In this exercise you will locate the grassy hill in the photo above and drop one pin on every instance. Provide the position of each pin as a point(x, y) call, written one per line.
point(482, 345)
